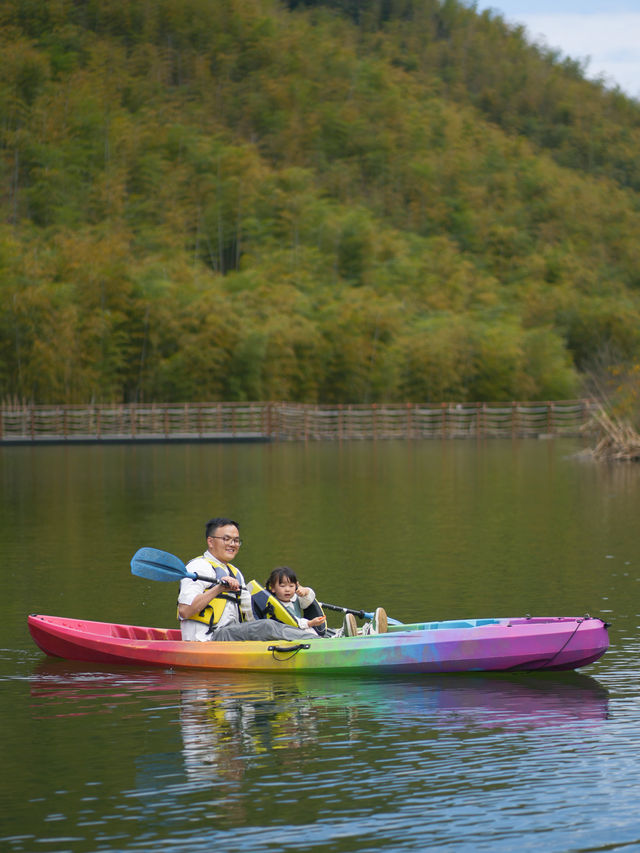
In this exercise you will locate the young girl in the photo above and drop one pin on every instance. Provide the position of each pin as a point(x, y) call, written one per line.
point(283, 584)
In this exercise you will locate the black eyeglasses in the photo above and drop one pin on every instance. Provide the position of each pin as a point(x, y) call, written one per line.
point(229, 540)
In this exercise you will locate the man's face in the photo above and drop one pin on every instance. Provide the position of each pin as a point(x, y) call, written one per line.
point(224, 543)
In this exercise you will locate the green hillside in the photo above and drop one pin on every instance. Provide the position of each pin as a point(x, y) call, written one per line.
point(339, 201)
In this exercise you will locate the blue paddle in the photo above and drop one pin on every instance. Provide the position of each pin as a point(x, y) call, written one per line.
point(158, 565)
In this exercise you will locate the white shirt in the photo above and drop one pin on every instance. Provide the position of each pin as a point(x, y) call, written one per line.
point(189, 589)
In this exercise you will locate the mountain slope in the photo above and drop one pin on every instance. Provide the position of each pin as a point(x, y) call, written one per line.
point(242, 199)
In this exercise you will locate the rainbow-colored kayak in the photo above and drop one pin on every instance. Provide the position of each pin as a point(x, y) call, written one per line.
point(528, 643)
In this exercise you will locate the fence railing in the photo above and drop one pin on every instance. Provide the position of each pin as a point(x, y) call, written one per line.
point(289, 421)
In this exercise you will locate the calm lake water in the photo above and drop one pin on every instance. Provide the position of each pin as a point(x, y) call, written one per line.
point(126, 759)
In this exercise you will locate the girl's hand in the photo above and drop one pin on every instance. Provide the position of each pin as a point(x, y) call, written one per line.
point(317, 620)
point(302, 590)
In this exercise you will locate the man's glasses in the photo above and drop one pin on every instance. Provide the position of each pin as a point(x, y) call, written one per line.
point(229, 540)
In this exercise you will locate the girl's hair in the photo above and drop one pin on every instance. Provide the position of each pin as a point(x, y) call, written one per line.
point(280, 574)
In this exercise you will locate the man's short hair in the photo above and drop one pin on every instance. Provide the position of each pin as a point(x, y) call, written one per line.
point(214, 523)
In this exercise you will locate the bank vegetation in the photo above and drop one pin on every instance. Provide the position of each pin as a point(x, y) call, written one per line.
point(308, 201)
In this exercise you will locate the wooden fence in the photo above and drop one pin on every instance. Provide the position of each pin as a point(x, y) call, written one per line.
point(20, 424)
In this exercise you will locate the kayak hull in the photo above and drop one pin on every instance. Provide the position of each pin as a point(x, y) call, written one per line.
point(489, 645)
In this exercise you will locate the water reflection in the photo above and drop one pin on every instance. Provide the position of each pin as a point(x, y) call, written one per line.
point(165, 747)
point(224, 716)
point(221, 725)
point(224, 726)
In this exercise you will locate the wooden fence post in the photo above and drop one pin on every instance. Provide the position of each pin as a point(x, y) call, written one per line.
point(267, 428)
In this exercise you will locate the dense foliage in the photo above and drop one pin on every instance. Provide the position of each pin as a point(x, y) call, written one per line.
point(348, 200)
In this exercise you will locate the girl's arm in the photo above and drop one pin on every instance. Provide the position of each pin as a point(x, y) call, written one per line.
point(305, 595)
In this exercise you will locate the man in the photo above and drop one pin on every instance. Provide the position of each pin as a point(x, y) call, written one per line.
point(211, 610)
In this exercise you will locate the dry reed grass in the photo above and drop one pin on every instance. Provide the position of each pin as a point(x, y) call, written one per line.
point(615, 439)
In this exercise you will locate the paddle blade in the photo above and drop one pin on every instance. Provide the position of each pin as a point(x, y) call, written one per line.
point(158, 565)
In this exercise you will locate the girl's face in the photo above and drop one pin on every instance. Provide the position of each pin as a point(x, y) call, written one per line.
point(284, 589)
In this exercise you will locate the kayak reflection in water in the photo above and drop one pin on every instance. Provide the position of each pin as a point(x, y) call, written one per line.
point(223, 727)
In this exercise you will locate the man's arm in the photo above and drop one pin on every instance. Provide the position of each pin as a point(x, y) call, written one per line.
point(186, 611)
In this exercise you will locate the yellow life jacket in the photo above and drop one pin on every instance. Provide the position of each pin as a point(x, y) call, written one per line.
point(211, 614)
point(266, 606)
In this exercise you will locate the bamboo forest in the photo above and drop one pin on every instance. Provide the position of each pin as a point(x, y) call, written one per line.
point(343, 201)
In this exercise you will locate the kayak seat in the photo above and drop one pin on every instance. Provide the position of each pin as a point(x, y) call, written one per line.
point(130, 632)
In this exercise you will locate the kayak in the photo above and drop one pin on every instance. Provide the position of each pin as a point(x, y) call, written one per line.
point(465, 645)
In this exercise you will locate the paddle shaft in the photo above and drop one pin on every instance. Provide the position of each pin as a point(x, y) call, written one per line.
point(196, 577)
point(361, 613)
point(158, 565)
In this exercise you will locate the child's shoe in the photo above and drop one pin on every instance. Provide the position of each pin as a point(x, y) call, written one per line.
point(349, 625)
point(380, 621)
